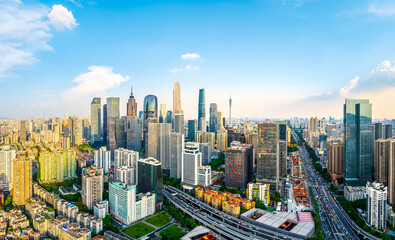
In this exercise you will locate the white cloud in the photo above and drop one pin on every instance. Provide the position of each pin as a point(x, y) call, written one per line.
point(191, 67)
point(190, 56)
point(344, 91)
point(24, 30)
point(176, 70)
point(61, 18)
point(98, 80)
point(382, 8)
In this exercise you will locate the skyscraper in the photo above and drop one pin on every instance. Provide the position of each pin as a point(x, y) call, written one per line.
point(335, 159)
point(22, 180)
point(133, 133)
point(96, 120)
point(150, 109)
point(112, 120)
point(213, 117)
point(113, 107)
point(76, 130)
point(177, 149)
point(222, 139)
point(92, 186)
point(159, 143)
point(230, 111)
point(378, 131)
point(131, 106)
point(7, 156)
point(202, 111)
point(239, 165)
point(162, 114)
point(191, 161)
point(176, 97)
point(102, 158)
point(150, 178)
point(358, 137)
point(179, 121)
point(376, 206)
point(169, 117)
point(22, 131)
point(192, 128)
point(105, 132)
point(391, 171)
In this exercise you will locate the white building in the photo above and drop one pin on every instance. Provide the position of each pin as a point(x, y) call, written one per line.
point(126, 158)
point(204, 175)
point(103, 159)
point(92, 186)
point(7, 157)
point(376, 205)
point(126, 174)
point(145, 205)
point(100, 209)
point(191, 161)
point(354, 193)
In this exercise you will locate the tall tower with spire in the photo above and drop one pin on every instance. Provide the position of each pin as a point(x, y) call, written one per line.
point(230, 110)
point(131, 106)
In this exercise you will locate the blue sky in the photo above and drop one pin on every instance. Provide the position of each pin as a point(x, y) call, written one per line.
point(277, 58)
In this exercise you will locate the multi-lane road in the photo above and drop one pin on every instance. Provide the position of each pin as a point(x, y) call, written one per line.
point(225, 225)
point(335, 222)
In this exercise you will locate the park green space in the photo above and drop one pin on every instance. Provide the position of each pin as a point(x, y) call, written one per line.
point(138, 230)
point(159, 220)
point(173, 232)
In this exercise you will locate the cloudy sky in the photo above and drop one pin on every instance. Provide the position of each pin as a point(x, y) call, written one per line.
point(277, 58)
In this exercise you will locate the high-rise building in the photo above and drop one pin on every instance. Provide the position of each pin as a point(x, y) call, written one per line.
point(391, 170)
point(159, 143)
point(22, 131)
point(358, 137)
point(131, 106)
point(57, 166)
point(179, 121)
point(105, 132)
point(150, 178)
point(192, 128)
point(258, 191)
point(387, 131)
point(133, 133)
point(162, 113)
point(113, 107)
point(376, 206)
point(220, 117)
point(213, 117)
point(150, 109)
point(206, 150)
point(176, 97)
point(239, 165)
point(202, 111)
point(177, 149)
point(230, 111)
point(222, 139)
point(270, 153)
point(96, 120)
point(7, 156)
point(126, 175)
point(335, 159)
point(378, 131)
point(313, 125)
point(169, 117)
point(76, 130)
point(126, 158)
point(92, 186)
point(191, 161)
point(102, 158)
point(22, 180)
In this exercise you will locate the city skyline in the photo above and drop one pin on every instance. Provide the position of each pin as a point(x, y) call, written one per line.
point(294, 62)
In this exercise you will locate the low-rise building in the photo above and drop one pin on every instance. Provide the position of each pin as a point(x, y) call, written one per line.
point(259, 191)
point(100, 209)
point(354, 193)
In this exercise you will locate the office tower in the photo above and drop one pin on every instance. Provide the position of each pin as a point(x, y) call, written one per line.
point(282, 131)
point(126, 158)
point(204, 176)
point(381, 157)
point(191, 161)
point(253, 140)
point(177, 149)
point(387, 131)
point(169, 116)
point(120, 134)
point(150, 109)
point(230, 111)
point(131, 106)
point(159, 143)
point(92, 186)
point(22, 180)
point(102, 158)
point(162, 114)
point(222, 139)
point(133, 133)
point(176, 97)
point(125, 175)
point(86, 128)
point(282, 156)
point(7, 157)
point(376, 206)
point(377, 131)
point(202, 111)
point(206, 137)
point(213, 117)
point(66, 142)
point(179, 121)
point(391, 171)
point(270, 153)
point(335, 159)
point(76, 130)
point(313, 125)
point(57, 166)
point(236, 135)
point(358, 137)
point(22, 131)
point(113, 107)
point(239, 165)
point(112, 122)
point(96, 120)
point(122, 199)
point(192, 128)
point(105, 133)
point(150, 178)
point(220, 116)
point(206, 150)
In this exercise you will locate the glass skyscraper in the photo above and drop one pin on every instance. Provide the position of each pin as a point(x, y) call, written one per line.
point(358, 149)
point(213, 117)
point(96, 120)
point(202, 111)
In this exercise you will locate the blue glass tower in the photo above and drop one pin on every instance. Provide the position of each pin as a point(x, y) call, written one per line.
point(202, 111)
point(358, 149)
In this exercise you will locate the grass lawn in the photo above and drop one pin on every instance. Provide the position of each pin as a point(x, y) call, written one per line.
point(138, 230)
point(173, 232)
point(159, 220)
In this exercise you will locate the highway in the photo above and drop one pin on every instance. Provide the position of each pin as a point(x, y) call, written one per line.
point(332, 215)
point(220, 222)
